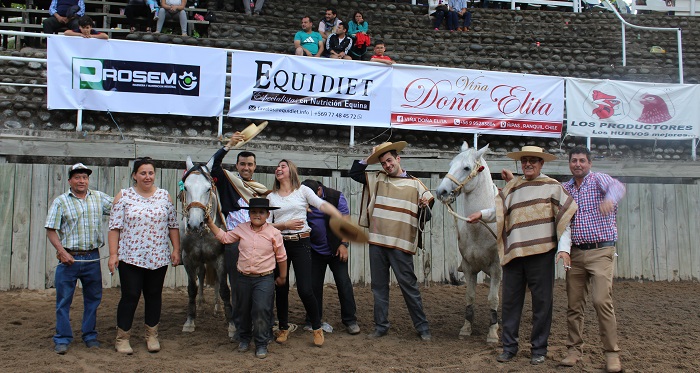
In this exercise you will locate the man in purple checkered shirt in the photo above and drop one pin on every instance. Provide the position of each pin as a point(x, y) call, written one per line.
point(593, 236)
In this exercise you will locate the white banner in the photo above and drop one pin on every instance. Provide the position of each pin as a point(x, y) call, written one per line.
point(617, 109)
point(487, 102)
point(309, 90)
point(135, 77)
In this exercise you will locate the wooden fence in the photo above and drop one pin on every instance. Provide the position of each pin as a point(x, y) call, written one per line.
point(658, 224)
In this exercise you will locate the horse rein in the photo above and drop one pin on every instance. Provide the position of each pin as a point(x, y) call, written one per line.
point(478, 167)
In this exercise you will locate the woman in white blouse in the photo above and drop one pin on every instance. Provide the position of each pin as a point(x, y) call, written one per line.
point(142, 222)
point(293, 199)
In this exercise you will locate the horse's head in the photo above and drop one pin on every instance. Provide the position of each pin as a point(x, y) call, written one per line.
point(465, 169)
point(198, 196)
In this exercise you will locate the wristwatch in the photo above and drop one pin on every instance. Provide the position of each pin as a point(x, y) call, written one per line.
point(346, 244)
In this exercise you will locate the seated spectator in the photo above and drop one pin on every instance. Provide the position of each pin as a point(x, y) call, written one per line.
point(86, 30)
point(172, 9)
point(137, 9)
point(258, 4)
point(441, 12)
point(338, 44)
point(358, 31)
point(458, 10)
point(308, 42)
point(379, 56)
point(153, 6)
point(328, 23)
point(357, 24)
point(63, 14)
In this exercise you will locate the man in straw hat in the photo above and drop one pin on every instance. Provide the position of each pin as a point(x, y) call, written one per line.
point(394, 207)
point(330, 250)
point(74, 228)
point(235, 191)
point(533, 213)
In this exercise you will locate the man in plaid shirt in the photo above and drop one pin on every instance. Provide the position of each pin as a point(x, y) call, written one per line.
point(74, 228)
point(593, 237)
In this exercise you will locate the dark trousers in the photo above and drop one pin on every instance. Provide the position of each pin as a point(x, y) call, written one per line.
point(380, 259)
point(230, 261)
point(299, 256)
point(134, 281)
point(254, 295)
point(52, 26)
point(452, 19)
point(346, 295)
point(138, 10)
point(537, 273)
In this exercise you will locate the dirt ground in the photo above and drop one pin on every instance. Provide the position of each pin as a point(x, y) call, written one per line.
point(659, 329)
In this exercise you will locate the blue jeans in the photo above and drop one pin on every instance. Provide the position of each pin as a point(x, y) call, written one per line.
point(65, 281)
point(380, 260)
point(346, 295)
point(254, 307)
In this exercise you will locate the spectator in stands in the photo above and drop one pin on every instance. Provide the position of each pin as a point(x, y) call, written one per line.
point(440, 11)
point(137, 9)
point(86, 30)
point(153, 6)
point(357, 24)
point(172, 9)
point(328, 23)
point(308, 42)
point(379, 56)
point(338, 44)
point(257, 6)
point(458, 10)
point(63, 15)
point(358, 31)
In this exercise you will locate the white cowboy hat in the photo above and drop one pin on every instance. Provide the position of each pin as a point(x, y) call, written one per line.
point(348, 230)
point(249, 132)
point(532, 151)
point(383, 148)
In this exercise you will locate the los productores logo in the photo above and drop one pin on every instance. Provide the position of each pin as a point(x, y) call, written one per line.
point(133, 76)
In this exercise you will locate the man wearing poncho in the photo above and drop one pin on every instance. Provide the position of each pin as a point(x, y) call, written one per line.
point(533, 213)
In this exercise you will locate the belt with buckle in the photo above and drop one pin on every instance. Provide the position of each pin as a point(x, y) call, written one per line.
point(296, 236)
point(81, 252)
point(596, 245)
point(256, 274)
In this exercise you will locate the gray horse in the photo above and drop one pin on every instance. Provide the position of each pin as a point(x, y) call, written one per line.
point(201, 251)
point(470, 178)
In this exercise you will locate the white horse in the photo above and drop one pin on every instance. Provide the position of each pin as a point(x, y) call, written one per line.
point(201, 251)
point(470, 178)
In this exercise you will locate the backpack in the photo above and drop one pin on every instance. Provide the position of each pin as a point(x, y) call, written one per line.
point(210, 16)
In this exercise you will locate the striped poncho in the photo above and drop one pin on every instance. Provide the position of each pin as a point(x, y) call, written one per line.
point(390, 210)
point(532, 216)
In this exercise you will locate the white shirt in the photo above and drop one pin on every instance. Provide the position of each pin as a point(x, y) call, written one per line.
point(293, 207)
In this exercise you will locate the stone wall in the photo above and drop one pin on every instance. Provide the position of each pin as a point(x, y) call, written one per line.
point(578, 45)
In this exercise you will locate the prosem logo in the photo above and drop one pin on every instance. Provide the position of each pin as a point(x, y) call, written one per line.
point(132, 76)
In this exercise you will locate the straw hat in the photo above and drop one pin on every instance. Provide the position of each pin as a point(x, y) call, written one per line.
point(532, 151)
point(249, 132)
point(348, 230)
point(383, 148)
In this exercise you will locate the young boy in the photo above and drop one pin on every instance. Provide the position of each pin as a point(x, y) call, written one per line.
point(379, 56)
point(260, 246)
point(85, 29)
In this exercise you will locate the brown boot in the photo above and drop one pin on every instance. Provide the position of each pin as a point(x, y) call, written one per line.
point(572, 357)
point(318, 337)
point(612, 362)
point(152, 338)
point(122, 343)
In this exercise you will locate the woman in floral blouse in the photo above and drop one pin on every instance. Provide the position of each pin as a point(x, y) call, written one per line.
point(143, 219)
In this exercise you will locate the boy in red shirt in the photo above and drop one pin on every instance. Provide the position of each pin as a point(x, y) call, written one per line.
point(261, 247)
point(379, 56)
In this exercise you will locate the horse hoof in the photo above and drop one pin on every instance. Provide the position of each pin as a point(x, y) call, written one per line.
point(187, 328)
point(491, 340)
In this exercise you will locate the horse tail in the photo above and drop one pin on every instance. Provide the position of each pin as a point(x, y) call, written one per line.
point(210, 275)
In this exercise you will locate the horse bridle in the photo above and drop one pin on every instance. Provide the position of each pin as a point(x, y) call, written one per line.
point(197, 170)
point(478, 167)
